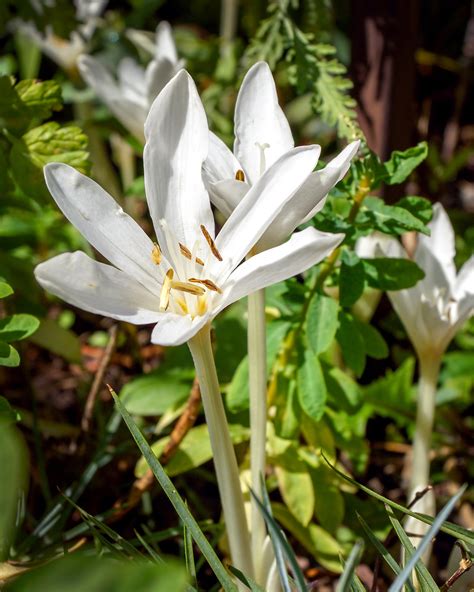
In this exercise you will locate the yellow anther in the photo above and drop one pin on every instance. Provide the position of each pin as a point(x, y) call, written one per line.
point(201, 306)
point(210, 285)
point(156, 254)
point(187, 253)
point(182, 305)
point(189, 288)
point(211, 243)
point(166, 289)
point(240, 176)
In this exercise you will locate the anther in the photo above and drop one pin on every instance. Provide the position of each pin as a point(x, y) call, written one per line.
point(210, 285)
point(187, 253)
point(156, 254)
point(189, 288)
point(240, 176)
point(166, 289)
point(211, 243)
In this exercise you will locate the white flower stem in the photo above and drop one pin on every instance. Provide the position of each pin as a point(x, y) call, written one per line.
point(257, 355)
point(420, 473)
point(225, 463)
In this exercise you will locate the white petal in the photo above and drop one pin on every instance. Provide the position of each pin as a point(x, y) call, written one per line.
point(465, 279)
point(437, 274)
point(226, 195)
point(130, 114)
point(132, 82)
point(302, 251)
point(259, 119)
point(98, 288)
point(321, 182)
point(158, 73)
point(441, 242)
point(175, 329)
point(261, 205)
point(177, 139)
point(220, 163)
point(100, 219)
point(165, 46)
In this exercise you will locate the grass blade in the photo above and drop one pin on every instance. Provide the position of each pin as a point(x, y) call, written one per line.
point(279, 542)
point(389, 560)
point(176, 500)
point(345, 581)
point(448, 527)
point(251, 585)
point(189, 555)
point(437, 523)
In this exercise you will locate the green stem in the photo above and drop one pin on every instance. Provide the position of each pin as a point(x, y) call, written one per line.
point(225, 463)
point(228, 24)
point(257, 354)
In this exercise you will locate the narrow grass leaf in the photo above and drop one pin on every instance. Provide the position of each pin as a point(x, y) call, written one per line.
point(189, 554)
point(347, 576)
point(251, 584)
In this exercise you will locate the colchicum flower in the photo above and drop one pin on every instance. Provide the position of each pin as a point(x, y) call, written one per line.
point(65, 52)
point(262, 136)
point(435, 308)
point(182, 281)
point(130, 96)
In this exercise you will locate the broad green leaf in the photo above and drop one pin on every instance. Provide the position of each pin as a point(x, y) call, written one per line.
point(321, 322)
point(10, 358)
point(374, 344)
point(287, 418)
point(352, 343)
point(420, 207)
point(377, 215)
point(17, 327)
point(319, 436)
point(61, 342)
point(78, 572)
point(351, 279)
point(194, 450)
point(402, 163)
point(392, 274)
point(324, 548)
point(237, 395)
point(296, 488)
point(157, 392)
point(5, 289)
point(328, 501)
point(312, 392)
point(343, 392)
point(176, 500)
point(15, 467)
point(7, 414)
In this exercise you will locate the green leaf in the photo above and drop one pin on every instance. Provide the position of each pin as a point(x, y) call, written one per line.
point(5, 289)
point(351, 279)
point(311, 386)
point(420, 207)
point(251, 584)
point(288, 412)
point(329, 504)
point(194, 450)
point(321, 322)
point(296, 488)
point(50, 142)
point(61, 342)
point(377, 215)
point(352, 343)
point(343, 392)
point(17, 327)
point(78, 572)
point(7, 414)
point(178, 504)
point(10, 357)
point(402, 163)
point(392, 274)
point(345, 581)
point(157, 392)
point(374, 344)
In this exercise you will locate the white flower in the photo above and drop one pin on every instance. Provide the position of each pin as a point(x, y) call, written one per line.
point(434, 310)
point(130, 96)
point(262, 136)
point(192, 275)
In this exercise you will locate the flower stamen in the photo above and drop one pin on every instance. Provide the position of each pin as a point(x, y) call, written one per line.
point(187, 253)
point(156, 254)
point(166, 289)
point(210, 285)
point(240, 176)
point(186, 287)
point(211, 243)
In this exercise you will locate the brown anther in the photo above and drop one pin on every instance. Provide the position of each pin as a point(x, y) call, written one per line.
point(156, 254)
point(189, 288)
point(211, 243)
point(187, 253)
point(210, 285)
point(240, 176)
point(166, 289)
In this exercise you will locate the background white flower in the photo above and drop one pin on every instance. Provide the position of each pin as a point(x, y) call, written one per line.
point(132, 93)
point(262, 136)
point(188, 276)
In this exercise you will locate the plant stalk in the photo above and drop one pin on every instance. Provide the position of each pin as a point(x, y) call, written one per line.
point(225, 462)
point(420, 473)
point(257, 355)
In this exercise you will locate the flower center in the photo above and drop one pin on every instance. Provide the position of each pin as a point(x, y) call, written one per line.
point(185, 288)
